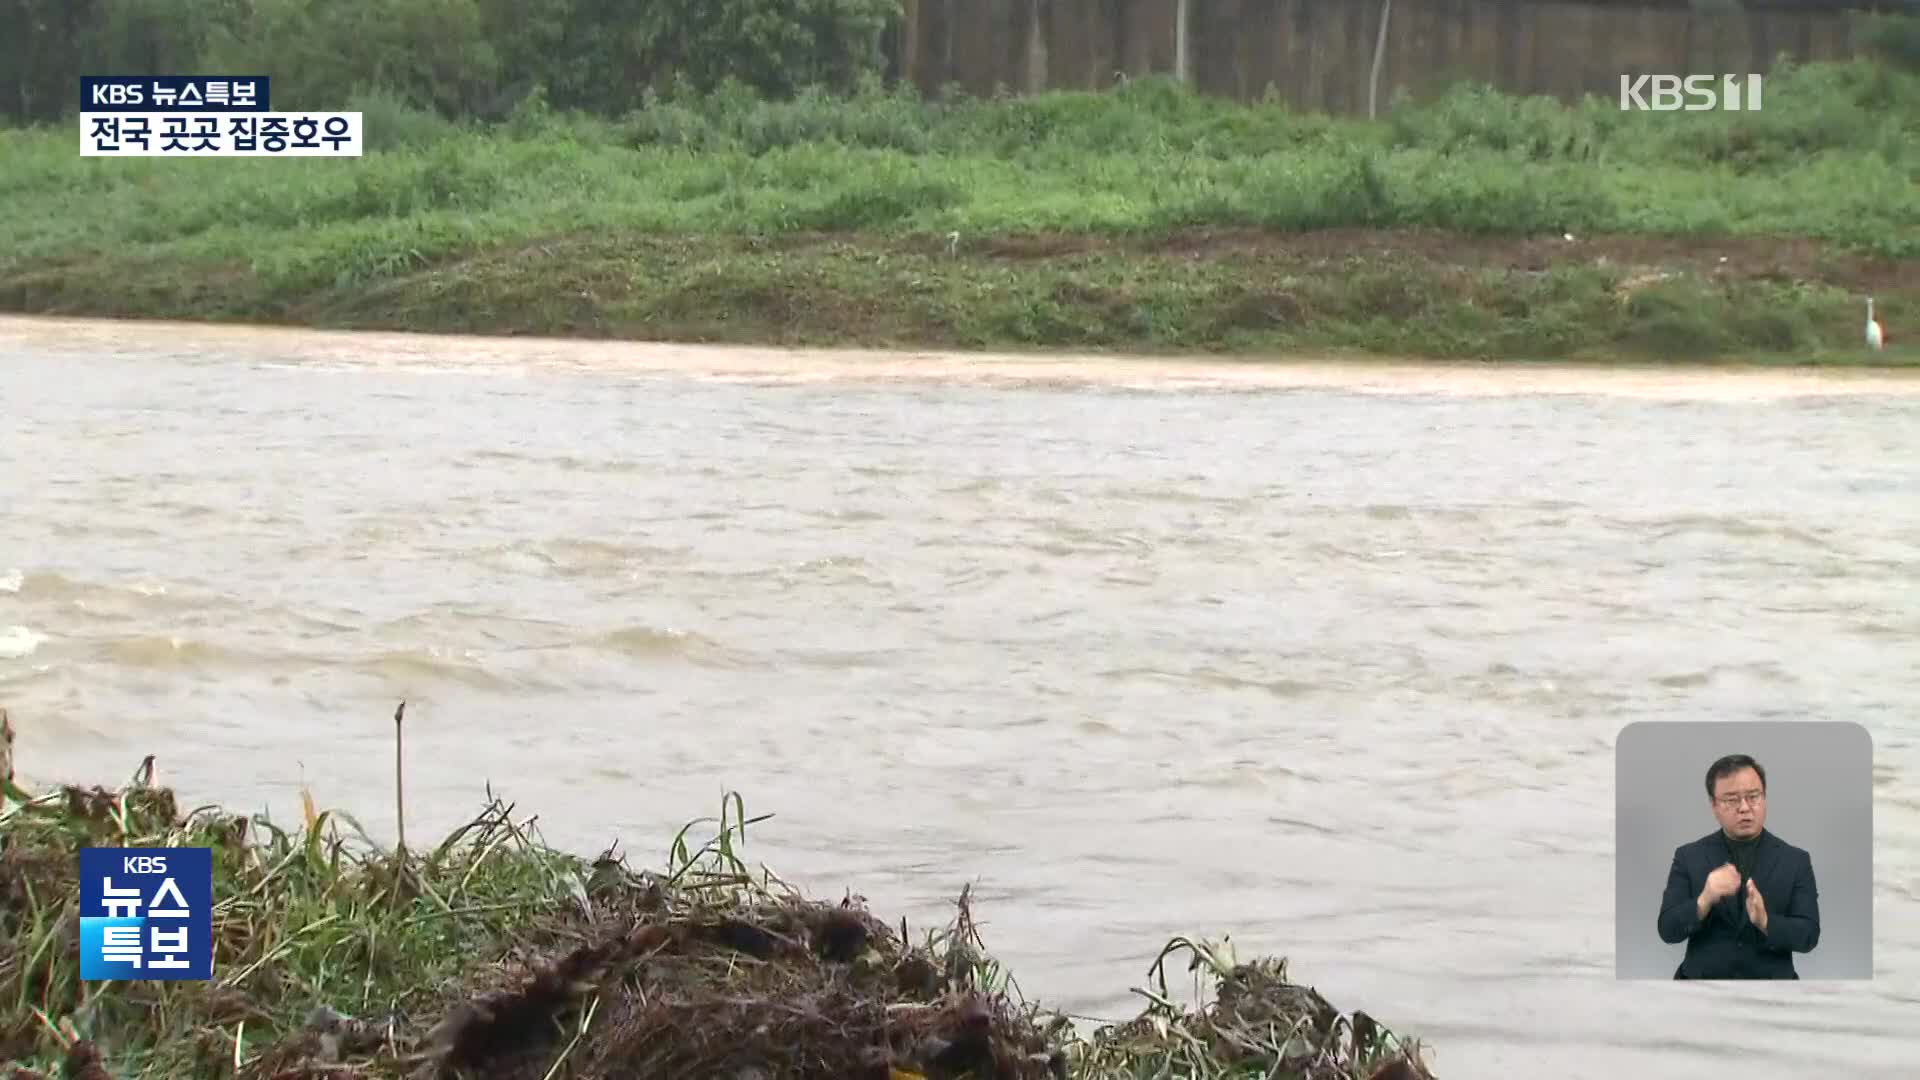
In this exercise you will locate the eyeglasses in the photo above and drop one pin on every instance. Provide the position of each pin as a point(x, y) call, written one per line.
point(1732, 801)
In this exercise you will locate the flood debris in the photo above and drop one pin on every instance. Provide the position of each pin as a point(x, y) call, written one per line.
point(82, 1061)
point(1259, 1023)
point(780, 986)
point(493, 955)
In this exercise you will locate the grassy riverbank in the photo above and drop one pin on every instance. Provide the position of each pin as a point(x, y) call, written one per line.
point(489, 951)
point(1143, 219)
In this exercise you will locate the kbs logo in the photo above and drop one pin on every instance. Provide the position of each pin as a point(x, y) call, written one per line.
point(173, 93)
point(116, 94)
point(146, 913)
point(1692, 93)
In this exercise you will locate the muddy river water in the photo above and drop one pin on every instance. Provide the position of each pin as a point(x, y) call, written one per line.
point(1330, 657)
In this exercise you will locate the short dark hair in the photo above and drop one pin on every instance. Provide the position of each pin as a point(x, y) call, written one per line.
point(1731, 764)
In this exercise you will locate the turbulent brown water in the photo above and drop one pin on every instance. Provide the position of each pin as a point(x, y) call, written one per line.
point(1329, 657)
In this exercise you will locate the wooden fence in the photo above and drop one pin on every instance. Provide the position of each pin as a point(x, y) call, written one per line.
point(1319, 54)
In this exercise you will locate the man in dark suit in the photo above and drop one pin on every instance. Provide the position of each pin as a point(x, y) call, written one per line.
point(1740, 897)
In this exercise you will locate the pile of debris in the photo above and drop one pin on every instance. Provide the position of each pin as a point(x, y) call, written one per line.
point(804, 989)
point(595, 970)
point(661, 987)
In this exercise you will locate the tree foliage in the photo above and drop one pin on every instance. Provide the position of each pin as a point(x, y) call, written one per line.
point(464, 58)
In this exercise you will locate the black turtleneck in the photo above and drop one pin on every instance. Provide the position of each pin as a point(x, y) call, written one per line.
point(1741, 853)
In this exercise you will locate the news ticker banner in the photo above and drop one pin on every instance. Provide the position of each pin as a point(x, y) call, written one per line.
point(205, 116)
point(146, 913)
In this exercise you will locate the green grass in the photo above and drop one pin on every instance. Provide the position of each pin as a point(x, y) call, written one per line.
point(301, 922)
point(396, 954)
point(1833, 160)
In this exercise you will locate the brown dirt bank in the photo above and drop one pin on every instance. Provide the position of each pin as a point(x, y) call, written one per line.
point(1747, 258)
point(1407, 293)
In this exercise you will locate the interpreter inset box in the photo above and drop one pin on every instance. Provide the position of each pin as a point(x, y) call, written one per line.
point(1743, 850)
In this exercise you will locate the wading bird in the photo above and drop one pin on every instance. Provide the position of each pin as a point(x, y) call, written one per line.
point(1875, 339)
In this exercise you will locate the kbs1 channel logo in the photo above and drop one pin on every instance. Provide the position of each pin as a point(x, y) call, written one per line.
point(1690, 93)
point(146, 913)
point(204, 116)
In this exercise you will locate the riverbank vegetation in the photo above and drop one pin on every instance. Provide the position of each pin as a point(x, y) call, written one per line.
point(725, 204)
point(491, 954)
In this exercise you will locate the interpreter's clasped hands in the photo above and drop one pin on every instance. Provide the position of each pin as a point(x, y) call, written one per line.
point(1756, 907)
